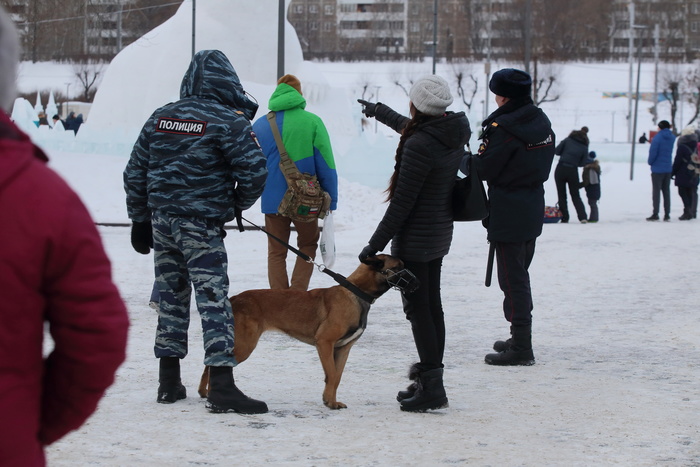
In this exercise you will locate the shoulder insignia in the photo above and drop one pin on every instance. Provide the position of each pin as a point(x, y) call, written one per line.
point(482, 147)
point(181, 127)
point(548, 141)
point(494, 124)
point(255, 138)
point(239, 112)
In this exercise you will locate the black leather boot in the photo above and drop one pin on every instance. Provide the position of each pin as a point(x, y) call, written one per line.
point(429, 395)
point(170, 388)
point(520, 351)
point(502, 346)
point(224, 396)
point(413, 374)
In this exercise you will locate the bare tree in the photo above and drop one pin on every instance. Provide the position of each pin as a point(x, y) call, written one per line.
point(467, 97)
point(672, 82)
point(88, 74)
point(545, 84)
point(692, 84)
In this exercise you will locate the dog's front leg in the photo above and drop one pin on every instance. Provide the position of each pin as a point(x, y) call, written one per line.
point(325, 353)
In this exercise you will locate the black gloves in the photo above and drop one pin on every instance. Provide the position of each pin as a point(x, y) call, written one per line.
point(142, 237)
point(366, 253)
point(368, 108)
point(239, 218)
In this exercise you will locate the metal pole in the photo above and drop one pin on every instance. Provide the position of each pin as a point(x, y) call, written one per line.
point(487, 65)
point(528, 35)
point(636, 107)
point(630, 136)
point(119, 26)
point(656, 71)
point(280, 39)
point(194, 11)
point(435, 22)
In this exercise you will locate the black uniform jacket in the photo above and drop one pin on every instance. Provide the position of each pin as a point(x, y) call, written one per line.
point(515, 158)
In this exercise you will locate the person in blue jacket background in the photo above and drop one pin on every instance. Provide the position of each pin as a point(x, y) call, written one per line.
point(661, 163)
point(308, 145)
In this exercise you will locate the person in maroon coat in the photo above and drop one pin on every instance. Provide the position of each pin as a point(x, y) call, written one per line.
point(53, 270)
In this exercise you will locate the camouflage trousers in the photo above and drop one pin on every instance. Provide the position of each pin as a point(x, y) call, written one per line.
point(190, 253)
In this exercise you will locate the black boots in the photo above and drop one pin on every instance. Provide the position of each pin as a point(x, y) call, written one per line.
point(519, 352)
point(170, 388)
point(224, 396)
point(429, 393)
point(502, 346)
point(413, 374)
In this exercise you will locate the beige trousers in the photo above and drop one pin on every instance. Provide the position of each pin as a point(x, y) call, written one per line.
point(308, 235)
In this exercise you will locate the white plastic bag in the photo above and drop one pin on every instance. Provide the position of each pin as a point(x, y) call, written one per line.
point(327, 242)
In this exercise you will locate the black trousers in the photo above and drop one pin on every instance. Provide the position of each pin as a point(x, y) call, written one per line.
point(689, 196)
point(513, 261)
point(661, 185)
point(423, 309)
point(568, 177)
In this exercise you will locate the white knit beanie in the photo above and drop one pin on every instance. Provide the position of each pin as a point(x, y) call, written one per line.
point(431, 95)
point(689, 130)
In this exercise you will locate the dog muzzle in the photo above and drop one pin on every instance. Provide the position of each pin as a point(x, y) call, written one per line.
point(402, 280)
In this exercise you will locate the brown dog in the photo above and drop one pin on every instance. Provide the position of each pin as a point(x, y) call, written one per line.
point(331, 319)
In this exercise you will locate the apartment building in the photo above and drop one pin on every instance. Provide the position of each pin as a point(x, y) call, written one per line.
point(513, 29)
point(81, 29)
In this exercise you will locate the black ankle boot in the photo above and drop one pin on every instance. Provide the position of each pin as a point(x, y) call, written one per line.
point(170, 388)
point(224, 396)
point(429, 395)
point(413, 374)
point(502, 346)
point(519, 352)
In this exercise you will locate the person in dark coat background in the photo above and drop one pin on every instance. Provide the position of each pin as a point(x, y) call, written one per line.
point(63, 324)
point(573, 153)
point(418, 222)
point(515, 158)
point(661, 164)
point(686, 171)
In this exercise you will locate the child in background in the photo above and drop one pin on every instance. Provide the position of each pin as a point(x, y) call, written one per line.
point(591, 182)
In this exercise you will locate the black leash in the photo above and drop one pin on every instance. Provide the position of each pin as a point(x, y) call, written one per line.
point(339, 278)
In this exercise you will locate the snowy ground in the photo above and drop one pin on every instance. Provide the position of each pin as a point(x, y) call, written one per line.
point(615, 336)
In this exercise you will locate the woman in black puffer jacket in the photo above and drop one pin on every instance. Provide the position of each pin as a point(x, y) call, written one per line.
point(573, 153)
point(418, 222)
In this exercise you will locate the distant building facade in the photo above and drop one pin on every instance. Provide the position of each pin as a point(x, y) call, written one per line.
point(500, 29)
point(83, 29)
point(518, 30)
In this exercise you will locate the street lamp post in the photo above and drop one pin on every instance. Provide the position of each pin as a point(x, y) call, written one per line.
point(280, 39)
point(194, 11)
point(630, 136)
point(435, 22)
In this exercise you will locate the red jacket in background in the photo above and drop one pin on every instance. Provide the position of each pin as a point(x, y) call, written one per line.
point(54, 271)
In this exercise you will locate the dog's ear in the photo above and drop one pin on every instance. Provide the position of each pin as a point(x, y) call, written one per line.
point(374, 262)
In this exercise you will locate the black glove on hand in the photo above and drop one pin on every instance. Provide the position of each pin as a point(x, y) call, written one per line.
point(142, 237)
point(368, 108)
point(239, 218)
point(366, 253)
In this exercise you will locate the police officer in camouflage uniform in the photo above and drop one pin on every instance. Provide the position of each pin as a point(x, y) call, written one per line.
point(195, 166)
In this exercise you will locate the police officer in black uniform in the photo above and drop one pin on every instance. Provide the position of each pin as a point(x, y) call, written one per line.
point(515, 158)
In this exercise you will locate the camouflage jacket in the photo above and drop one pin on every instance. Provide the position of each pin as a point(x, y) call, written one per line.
point(198, 156)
